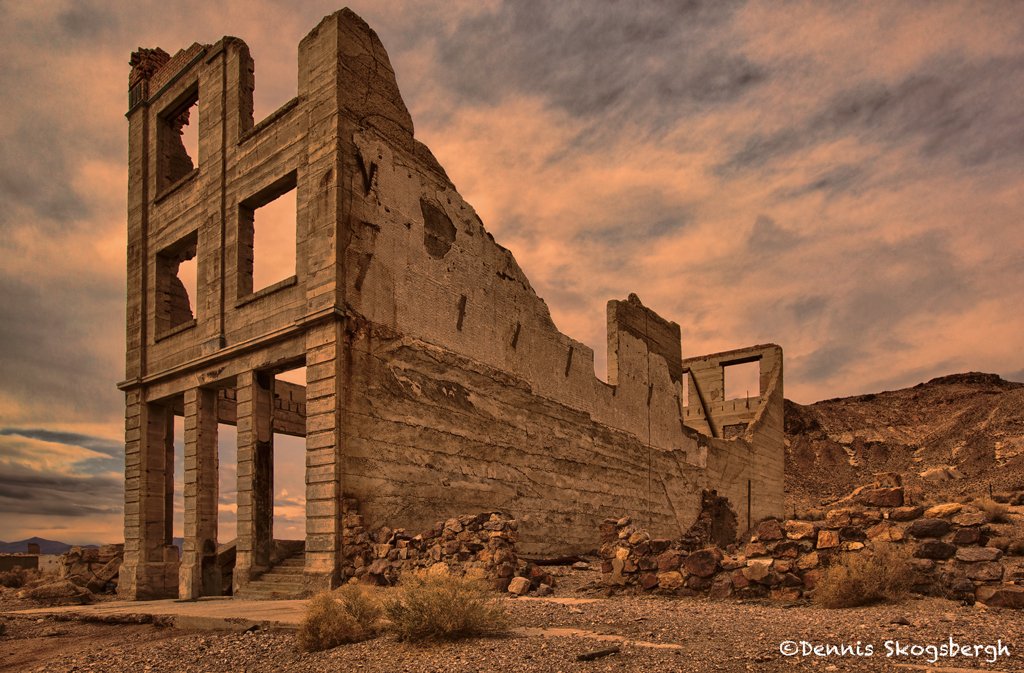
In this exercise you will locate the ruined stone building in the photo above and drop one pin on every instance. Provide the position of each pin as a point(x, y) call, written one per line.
point(436, 382)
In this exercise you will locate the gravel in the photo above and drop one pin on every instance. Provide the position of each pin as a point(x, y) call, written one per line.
point(656, 634)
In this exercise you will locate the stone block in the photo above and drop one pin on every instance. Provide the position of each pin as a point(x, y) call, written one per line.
point(984, 571)
point(943, 511)
point(907, 513)
point(704, 562)
point(935, 549)
point(1002, 596)
point(827, 539)
point(800, 530)
point(929, 528)
point(976, 554)
point(881, 497)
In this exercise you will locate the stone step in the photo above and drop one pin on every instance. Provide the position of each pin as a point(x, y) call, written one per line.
point(274, 587)
point(270, 578)
point(271, 595)
point(286, 570)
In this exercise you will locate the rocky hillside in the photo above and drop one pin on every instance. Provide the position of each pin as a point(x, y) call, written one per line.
point(953, 437)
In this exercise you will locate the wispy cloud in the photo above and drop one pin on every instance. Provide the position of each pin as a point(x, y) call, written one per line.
point(840, 178)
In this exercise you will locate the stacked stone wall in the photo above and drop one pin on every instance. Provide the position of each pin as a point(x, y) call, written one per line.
point(480, 546)
point(952, 547)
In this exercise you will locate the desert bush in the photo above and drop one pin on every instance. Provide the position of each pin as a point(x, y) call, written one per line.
point(443, 607)
point(863, 578)
point(363, 603)
point(995, 511)
point(329, 623)
point(15, 578)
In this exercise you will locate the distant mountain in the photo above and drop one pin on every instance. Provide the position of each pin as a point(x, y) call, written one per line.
point(56, 547)
point(955, 436)
point(45, 546)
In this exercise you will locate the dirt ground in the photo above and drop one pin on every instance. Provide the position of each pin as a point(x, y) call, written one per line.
point(652, 633)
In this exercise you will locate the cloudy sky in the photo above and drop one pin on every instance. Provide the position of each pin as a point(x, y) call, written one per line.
point(843, 179)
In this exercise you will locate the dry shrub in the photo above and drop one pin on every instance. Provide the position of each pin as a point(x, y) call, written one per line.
point(363, 604)
point(996, 512)
point(443, 607)
point(15, 578)
point(331, 621)
point(862, 578)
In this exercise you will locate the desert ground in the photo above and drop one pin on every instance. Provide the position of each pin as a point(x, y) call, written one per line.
point(545, 634)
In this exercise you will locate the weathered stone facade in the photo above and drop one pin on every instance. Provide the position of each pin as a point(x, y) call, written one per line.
point(436, 381)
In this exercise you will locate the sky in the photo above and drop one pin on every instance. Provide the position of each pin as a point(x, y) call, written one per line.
point(843, 179)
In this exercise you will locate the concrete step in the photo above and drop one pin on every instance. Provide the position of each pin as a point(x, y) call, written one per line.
point(272, 588)
point(285, 580)
point(271, 595)
point(271, 579)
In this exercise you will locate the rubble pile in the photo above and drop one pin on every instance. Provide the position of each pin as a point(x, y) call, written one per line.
point(94, 568)
point(955, 552)
point(481, 546)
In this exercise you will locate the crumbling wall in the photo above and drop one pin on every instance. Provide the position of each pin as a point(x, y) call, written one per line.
point(431, 433)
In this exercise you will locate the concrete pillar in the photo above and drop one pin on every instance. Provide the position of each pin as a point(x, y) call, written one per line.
point(198, 576)
point(324, 442)
point(150, 564)
point(254, 404)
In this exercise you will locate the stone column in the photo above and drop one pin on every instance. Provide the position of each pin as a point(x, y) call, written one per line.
point(201, 494)
point(150, 563)
point(254, 403)
point(324, 392)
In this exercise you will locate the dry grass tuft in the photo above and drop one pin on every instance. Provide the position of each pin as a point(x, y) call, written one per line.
point(996, 512)
point(861, 578)
point(443, 607)
point(331, 621)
